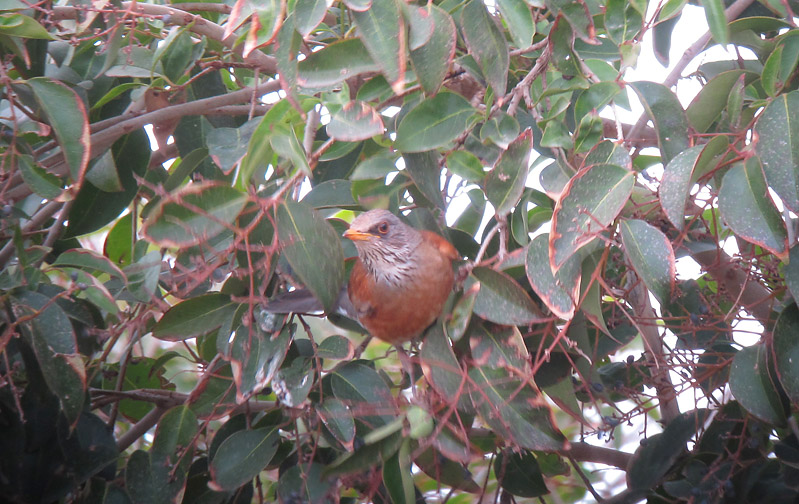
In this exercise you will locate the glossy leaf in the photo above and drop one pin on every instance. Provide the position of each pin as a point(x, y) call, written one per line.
point(358, 385)
point(558, 291)
point(52, 339)
point(193, 215)
point(67, 115)
point(745, 206)
point(716, 20)
point(505, 182)
point(355, 121)
point(242, 456)
point(501, 300)
point(432, 60)
point(680, 175)
point(521, 25)
point(441, 367)
point(777, 133)
point(486, 44)
point(668, 116)
point(303, 233)
point(40, 181)
point(255, 357)
point(514, 410)
point(338, 419)
point(711, 100)
point(424, 171)
point(465, 165)
point(434, 122)
point(382, 30)
point(194, 317)
point(751, 385)
point(397, 475)
point(786, 352)
point(651, 255)
point(578, 16)
point(335, 63)
point(519, 474)
point(654, 458)
point(588, 204)
point(309, 13)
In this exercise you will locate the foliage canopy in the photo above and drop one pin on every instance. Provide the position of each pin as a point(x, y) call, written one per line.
point(137, 364)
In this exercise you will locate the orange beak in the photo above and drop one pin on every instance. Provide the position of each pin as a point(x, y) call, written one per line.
point(357, 235)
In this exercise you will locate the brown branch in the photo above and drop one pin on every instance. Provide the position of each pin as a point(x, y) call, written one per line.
point(732, 12)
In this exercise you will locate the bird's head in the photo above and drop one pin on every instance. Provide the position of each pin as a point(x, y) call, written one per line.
point(385, 244)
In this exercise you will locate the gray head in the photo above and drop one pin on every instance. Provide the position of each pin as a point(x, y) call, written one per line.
point(385, 244)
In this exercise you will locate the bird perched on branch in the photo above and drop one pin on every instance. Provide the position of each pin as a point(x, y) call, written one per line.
point(399, 283)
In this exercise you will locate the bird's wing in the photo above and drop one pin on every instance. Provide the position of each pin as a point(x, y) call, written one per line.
point(303, 302)
point(441, 243)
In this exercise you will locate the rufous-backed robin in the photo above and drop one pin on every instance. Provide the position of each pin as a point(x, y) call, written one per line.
point(399, 282)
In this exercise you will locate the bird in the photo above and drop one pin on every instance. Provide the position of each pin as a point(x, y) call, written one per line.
point(399, 282)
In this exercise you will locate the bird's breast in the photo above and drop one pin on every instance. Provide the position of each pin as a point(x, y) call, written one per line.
point(399, 306)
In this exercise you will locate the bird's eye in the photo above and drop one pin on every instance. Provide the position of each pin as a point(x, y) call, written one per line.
point(382, 228)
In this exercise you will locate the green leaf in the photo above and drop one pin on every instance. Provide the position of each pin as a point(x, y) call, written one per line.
point(227, 146)
point(335, 63)
point(680, 175)
point(49, 332)
point(622, 21)
point(333, 193)
point(382, 30)
point(267, 17)
point(745, 206)
point(193, 215)
point(777, 133)
point(40, 181)
point(786, 351)
point(20, 25)
point(375, 167)
point(434, 122)
point(501, 348)
point(505, 182)
point(588, 204)
point(338, 419)
point(558, 291)
point(711, 100)
point(90, 261)
point(118, 245)
point(355, 121)
point(241, 457)
point(502, 300)
point(486, 44)
point(514, 409)
point(285, 143)
point(519, 474)
point(303, 234)
point(441, 368)
point(432, 60)
point(670, 121)
point(358, 385)
point(654, 458)
point(651, 256)
point(578, 16)
point(194, 317)
point(781, 64)
point(465, 165)
point(94, 208)
point(397, 475)
point(519, 19)
point(66, 114)
point(306, 483)
point(717, 21)
point(424, 171)
point(751, 385)
point(308, 14)
point(608, 152)
point(595, 98)
point(255, 357)
point(420, 25)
